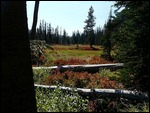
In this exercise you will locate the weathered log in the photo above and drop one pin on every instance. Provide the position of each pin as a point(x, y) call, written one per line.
point(89, 67)
point(133, 95)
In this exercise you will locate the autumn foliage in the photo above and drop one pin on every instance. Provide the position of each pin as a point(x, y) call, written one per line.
point(76, 61)
point(81, 80)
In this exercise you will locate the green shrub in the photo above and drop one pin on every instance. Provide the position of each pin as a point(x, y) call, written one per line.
point(115, 75)
point(59, 101)
point(39, 75)
point(140, 107)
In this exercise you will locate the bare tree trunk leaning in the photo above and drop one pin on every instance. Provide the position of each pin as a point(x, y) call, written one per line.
point(35, 18)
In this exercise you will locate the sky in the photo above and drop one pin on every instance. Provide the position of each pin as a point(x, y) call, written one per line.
point(69, 15)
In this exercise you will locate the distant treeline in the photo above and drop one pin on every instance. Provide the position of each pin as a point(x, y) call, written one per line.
point(60, 36)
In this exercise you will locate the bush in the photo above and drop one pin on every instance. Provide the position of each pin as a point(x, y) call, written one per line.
point(59, 101)
point(98, 60)
point(40, 75)
point(81, 80)
point(115, 75)
point(140, 107)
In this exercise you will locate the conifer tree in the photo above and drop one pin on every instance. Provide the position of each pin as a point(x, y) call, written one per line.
point(90, 23)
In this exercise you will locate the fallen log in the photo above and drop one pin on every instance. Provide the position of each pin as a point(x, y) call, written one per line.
point(133, 95)
point(88, 67)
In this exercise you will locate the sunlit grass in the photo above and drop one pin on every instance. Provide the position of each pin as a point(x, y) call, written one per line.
point(68, 52)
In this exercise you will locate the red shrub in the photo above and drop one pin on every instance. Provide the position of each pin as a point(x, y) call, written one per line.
point(72, 61)
point(81, 80)
point(98, 60)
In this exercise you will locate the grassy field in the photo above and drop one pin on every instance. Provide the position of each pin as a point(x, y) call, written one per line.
point(82, 53)
point(67, 52)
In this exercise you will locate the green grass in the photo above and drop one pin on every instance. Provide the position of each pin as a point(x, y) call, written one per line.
point(64, 52)
point(77, 53)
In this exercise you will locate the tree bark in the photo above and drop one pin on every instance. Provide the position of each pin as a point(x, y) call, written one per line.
point(93, 68)
point(133, 95)
point(35, 18)
point(17, 86)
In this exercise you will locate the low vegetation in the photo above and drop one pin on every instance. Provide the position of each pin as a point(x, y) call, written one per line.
point(63, 55)
point(81, 80)
point(61, 101)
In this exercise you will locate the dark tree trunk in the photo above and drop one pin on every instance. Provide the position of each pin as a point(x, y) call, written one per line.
point(109, 51)
point(91, 40)
point(17, 87)
point(35, 18)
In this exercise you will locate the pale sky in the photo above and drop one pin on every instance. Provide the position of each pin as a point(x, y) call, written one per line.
point(69, 15)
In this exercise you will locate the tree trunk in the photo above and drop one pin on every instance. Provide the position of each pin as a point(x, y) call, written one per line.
point(35, 17)
point(17, 87)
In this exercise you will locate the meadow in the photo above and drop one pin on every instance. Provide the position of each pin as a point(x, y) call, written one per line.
point(69, 55)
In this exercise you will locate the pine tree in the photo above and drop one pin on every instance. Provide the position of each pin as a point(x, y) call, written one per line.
point(45, 34)
point(64, 37)
point(74, 38)
point(40, 31)
point(98, 36)
point(57, 34)
point(107, 38)
point(77, 38)
point(132, 42)
point(49, 39)
point(90, 23)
